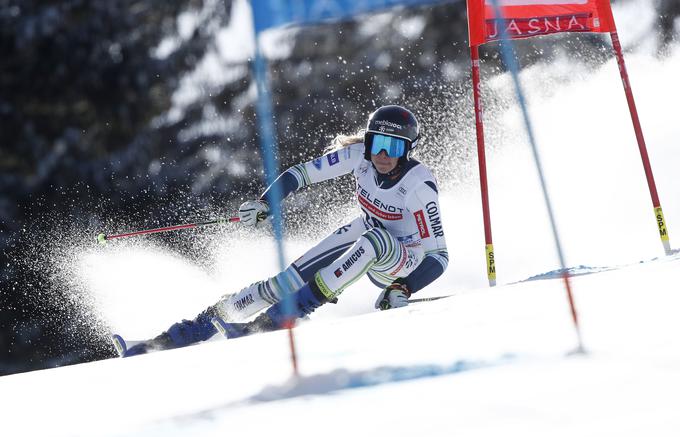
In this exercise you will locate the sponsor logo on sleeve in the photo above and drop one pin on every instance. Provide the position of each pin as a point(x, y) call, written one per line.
point(333, 158)
point(422, 225)
point(435, 221)
point(317, 163)
point(338, 273)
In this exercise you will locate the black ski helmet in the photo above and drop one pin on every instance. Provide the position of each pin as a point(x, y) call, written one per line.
point(395, 121)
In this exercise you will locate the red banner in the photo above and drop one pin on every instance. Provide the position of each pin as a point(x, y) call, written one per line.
point(527, 18)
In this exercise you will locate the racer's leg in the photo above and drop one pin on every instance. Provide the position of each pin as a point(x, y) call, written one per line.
point(261, 294)
point(376, 251)
point(256, 296)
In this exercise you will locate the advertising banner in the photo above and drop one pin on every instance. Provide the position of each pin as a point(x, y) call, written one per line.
point(527, 18)
point(275, 13)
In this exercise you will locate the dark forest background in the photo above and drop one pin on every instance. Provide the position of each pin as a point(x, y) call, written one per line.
point(92, 134)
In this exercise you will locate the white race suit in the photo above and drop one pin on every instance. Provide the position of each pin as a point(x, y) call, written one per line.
point(398, 235)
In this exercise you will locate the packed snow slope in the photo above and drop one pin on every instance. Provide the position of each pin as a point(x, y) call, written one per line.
point(482, 362)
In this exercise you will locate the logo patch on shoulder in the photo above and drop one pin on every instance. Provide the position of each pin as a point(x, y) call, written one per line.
point(333, 158)
point(317, 163)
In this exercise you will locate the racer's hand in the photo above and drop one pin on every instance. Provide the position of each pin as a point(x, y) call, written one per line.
point(394, 295)
point(253, 212)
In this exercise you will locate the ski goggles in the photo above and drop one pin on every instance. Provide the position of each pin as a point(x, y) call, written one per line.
point(394, 147)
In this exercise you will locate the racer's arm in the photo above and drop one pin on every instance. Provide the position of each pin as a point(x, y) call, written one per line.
point(423, 203)
point(329, 166)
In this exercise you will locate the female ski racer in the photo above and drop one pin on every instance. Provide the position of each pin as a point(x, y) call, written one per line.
point(398, 240)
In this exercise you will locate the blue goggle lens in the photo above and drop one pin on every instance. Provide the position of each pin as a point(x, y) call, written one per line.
point(394, 147)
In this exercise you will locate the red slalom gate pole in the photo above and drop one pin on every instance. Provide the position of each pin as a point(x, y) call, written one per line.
point(479, 122)
point(103, 238)
point(574, 314)
point(511, 62)
point(289, 325)
point(658, 212)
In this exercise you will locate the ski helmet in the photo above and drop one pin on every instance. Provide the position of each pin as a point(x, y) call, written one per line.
point(392, 121)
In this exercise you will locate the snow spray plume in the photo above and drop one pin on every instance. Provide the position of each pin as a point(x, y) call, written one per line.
point(50, 270)
point(57, 314)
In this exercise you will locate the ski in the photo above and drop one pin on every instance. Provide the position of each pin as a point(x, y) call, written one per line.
point(230, 330)
point(122, 346)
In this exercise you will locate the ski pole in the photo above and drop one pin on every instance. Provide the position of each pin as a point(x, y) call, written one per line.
point(428, 299)
point(103, 238)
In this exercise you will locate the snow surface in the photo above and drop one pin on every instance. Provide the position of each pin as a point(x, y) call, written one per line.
point(484, 362)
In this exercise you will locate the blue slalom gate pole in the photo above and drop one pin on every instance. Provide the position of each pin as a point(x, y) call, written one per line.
point(511, 63)
point(265, 123)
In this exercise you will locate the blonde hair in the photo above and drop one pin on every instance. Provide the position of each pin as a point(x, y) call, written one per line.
point(341, 141)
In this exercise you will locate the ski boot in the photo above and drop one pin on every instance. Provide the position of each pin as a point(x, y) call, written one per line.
point(130, 348)
point(180, 334)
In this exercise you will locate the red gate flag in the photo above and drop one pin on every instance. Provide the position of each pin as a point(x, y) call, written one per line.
point(527, 18)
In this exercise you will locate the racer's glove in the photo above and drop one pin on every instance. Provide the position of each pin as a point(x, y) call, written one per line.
point(394, 295)
point(253, 212)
